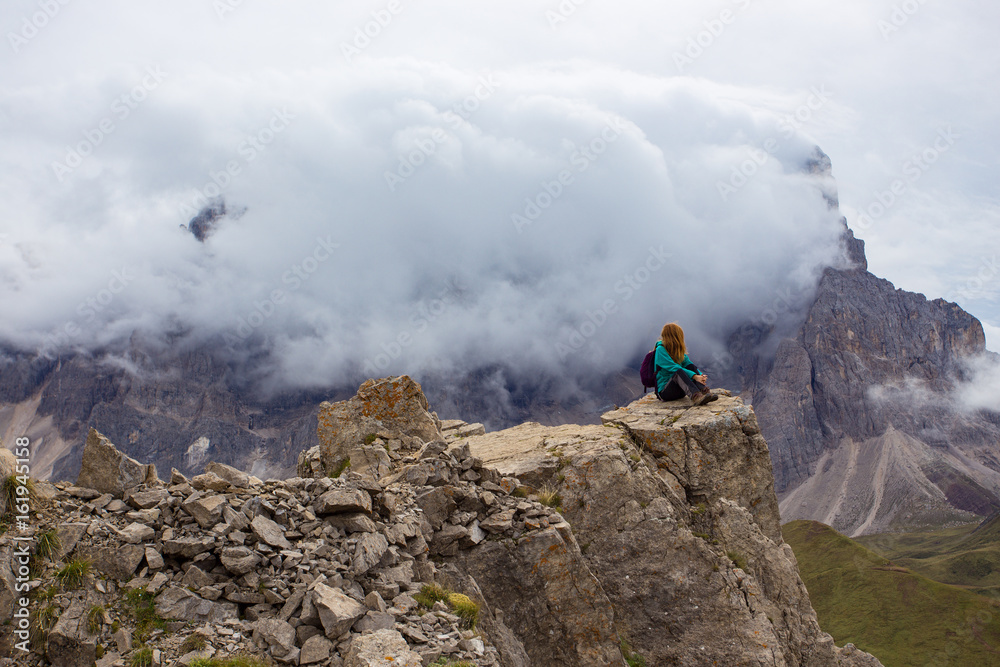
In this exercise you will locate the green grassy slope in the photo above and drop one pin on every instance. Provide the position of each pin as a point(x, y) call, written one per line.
point(967, 556)
point(902, 618)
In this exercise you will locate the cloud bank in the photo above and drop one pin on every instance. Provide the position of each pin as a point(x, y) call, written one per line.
point(402, 216)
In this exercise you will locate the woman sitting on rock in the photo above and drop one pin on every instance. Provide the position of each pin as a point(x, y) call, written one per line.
point(675, 374)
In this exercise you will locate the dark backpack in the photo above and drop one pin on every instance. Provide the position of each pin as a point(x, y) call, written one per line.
point(647, 371)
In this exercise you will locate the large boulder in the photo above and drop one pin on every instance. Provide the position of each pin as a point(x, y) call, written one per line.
point(70, 644)
point(107, 470)
point(384, 648)
point(181, 604)
point(390, 408)
point(234, 476)
point(337, 611)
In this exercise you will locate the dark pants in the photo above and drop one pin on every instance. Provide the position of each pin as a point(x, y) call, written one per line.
point(680, 385)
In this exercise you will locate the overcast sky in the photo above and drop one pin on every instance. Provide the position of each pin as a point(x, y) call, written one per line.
point(428, 185)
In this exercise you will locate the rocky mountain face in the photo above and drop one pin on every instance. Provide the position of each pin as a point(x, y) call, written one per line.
point(175, 409)
point(654, 534)
point(858, 408)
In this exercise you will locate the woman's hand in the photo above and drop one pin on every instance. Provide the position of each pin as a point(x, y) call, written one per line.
point(701, 378)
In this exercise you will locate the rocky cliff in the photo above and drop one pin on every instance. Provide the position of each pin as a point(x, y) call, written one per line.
point(652, 536)
point(858, 407)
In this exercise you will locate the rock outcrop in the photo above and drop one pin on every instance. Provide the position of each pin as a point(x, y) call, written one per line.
point(553, 546)
point(106, 470)
point(858, 410)
point(393, 409)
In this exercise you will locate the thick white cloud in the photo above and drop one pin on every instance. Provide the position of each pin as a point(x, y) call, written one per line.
point(436, 261)
point(413, 217)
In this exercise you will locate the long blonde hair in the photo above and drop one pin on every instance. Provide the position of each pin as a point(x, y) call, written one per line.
point(673, 341)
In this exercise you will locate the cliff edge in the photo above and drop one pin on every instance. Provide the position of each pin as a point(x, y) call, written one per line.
point(654, 534)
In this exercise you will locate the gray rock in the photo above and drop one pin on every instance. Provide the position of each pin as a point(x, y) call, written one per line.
point(390, 407)
point(337, 612)
point(154, 560)
point(116, 562)
point(147, 499)
point(269, 532)
point(209, 481)
point(195, 577)
point(187, 547)
point(355, 522)
point(83, 492)
point(315, 649)
point(107, 470)
point(135, 533)
point(279, 636)
point(69, 534)
point(336, 501)
point(206, 510)
point(180, 604)
point(148, 517)
point(237, 478)
point(69, 643)
point(374, 621)
point(239, 560)
point(438, 504)
point(235, 520)
point(291, 605)
point(368, 552)
point(384, 647)
point(123, 640)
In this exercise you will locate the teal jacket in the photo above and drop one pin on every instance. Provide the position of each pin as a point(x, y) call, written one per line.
point(666, 366)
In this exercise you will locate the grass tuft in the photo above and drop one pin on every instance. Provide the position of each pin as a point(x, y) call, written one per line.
point(739, 560)
point(194, 642)
point(429, 594)
point(14, 490)
point(238, 660)
point(95, 619)
point(141, 657)
point(462, 605)
point(142, 607)
point(341, 467)
point(48, 544)
point(632, 659)
point(550, 497)
point(464, 608)
point(73, 573)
